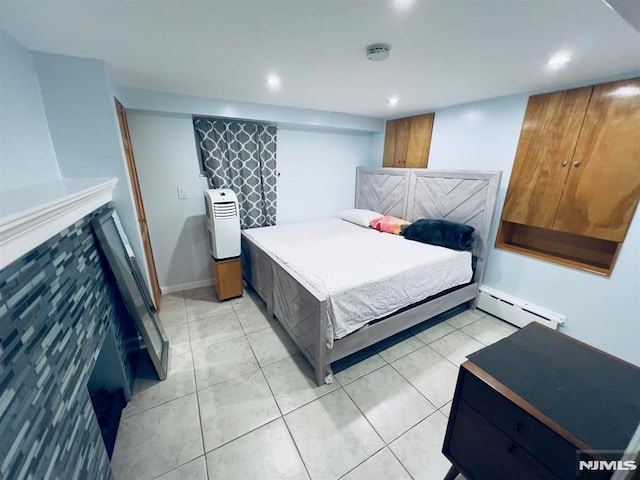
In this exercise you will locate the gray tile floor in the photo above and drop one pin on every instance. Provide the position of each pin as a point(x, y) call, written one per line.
point(240, 403)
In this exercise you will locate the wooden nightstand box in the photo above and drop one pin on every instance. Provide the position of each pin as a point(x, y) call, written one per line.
point(228, 278)
point(525, 405)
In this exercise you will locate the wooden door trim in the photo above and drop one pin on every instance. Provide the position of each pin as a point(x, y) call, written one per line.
point(137, 196)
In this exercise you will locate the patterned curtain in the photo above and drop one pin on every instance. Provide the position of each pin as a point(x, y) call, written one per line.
point(241, 156)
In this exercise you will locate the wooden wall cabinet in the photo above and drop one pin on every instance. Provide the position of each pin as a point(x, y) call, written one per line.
point(407, 142)
point(576, 177)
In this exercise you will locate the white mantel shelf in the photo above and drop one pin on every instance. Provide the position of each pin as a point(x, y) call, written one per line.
point(31, 215)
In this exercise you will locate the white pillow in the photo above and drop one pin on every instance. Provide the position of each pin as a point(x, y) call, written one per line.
point(358, 216)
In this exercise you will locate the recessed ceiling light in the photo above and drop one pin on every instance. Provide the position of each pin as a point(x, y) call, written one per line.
point(402, 4)
point(393, 100)
point(273, 81)
point(559, 60)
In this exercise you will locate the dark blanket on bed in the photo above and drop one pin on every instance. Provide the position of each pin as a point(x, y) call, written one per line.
point(443, 233)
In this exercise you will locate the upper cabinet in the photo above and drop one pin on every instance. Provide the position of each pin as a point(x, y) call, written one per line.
point(548, 139)
point(576, 177)
point(407, 141)
point(602, 189)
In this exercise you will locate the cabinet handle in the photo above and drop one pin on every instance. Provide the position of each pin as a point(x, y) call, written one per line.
point(511, 448)
point(576, 164)
point(517, 426)
point(564, 164)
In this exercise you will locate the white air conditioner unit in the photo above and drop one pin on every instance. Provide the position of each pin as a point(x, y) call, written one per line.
point(223, 223)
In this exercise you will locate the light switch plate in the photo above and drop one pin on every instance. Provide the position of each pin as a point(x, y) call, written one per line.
point(182, 193)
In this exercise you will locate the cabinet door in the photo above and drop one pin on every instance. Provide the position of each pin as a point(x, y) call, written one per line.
point(407, 142)
point(549, 134)
point(603, 186)
point(396, 140)
point(419, 141)
point(402, 142)
point(391, 131)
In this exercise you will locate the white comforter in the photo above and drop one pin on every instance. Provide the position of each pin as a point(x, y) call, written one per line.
point(364, 274)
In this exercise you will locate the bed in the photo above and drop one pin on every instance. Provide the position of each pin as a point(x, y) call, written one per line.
point(334, 294)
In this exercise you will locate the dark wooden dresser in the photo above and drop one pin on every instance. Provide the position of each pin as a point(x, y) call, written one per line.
point(525, 405)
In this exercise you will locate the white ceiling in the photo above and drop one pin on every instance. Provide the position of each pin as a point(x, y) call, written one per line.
point(443, 52)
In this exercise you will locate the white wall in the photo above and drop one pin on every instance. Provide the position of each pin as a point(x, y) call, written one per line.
point(317, 172)
point(166, 157)
point(318, 152)
point(79, 104)
point(602, 311)
point(172, 103)
point(317, 178)
point(26, 152)
point(377, 148)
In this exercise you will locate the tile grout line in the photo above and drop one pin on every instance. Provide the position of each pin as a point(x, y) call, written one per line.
point(405, 431)
point(204, 449)
point(281, 416)
point(228, 379)
point(219, 343)
point(396, 457)
point(216, 343)
point(402, 356)
point(429, 416)
point(239, 437)
point(197, 406)
point(195, 382)
point(361, 376)
point(201, 319)
point(385, 444)
point(410, 383)
point(363, 461)
point(340, 386)
point(447, 358)
point(191, 352)
point(243, 329)
point(181, 465)
point(286, 425)
point(159, 405)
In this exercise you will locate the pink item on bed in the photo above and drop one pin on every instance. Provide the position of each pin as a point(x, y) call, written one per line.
point(388, 224)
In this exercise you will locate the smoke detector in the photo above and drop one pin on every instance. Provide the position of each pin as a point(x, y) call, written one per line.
point(378, 52)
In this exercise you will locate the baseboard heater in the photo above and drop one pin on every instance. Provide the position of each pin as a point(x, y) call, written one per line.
point(516, 311)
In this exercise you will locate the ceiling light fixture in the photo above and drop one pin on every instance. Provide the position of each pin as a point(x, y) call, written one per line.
point(559, 60)
point(273, 81)
point(402, 4)
point(393, 100)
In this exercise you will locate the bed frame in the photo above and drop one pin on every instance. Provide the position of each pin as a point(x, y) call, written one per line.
point(461, 196)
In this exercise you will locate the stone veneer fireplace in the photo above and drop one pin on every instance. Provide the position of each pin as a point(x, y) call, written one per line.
point(58, 303)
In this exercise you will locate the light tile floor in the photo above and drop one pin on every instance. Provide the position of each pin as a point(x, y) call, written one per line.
point(240, 402)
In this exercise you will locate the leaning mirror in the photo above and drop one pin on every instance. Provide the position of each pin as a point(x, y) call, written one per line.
point(134, 291)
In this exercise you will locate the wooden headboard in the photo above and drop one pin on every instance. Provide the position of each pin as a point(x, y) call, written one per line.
point(462, 196)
